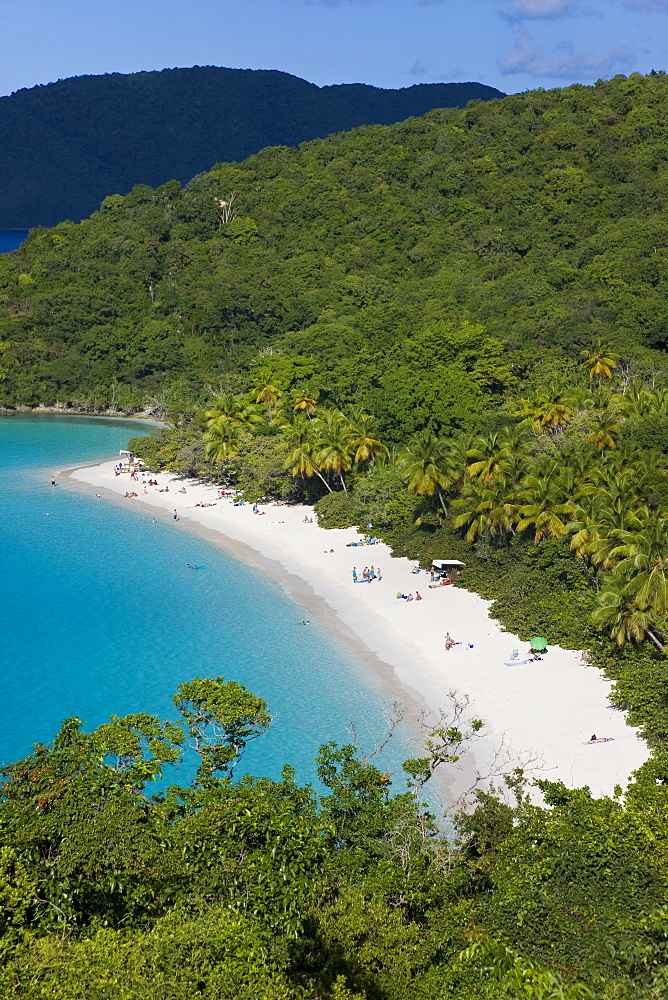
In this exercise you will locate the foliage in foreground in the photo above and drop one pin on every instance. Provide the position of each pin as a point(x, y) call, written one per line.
point(274, 891)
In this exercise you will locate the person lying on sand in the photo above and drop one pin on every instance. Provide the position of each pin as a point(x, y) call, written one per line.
point(599, 739)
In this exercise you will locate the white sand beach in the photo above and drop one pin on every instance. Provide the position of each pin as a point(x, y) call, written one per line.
point(540, 713)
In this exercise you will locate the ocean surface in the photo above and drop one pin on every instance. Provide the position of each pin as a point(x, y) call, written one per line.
point(99, 615)
point(10, 239)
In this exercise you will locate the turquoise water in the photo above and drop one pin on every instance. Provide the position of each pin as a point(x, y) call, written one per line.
point(99, 614)
point(10, 239)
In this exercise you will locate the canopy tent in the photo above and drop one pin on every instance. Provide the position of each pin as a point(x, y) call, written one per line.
point(447, 563)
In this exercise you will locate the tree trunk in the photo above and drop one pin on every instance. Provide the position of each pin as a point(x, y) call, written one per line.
point(440, 497)
point(343, 482)
point(323, 480)
point(655, 640)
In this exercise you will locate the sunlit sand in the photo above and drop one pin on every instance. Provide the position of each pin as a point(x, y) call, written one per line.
point(537, 714)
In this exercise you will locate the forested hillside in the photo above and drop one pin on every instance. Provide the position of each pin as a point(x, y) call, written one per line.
point(454, 328)
point(66, 145)
point(423, 269)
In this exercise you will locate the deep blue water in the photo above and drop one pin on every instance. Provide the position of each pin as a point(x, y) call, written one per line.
point(10, 239)
point(99, 615)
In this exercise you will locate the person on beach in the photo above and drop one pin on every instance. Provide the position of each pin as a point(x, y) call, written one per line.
point(176, 516)
point(53, 480)
point(378, 574)
point(417, 596)
point(372, 574)
point(354, 575)
point(449, 641)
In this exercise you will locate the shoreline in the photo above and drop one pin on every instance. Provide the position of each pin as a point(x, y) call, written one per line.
point(536, 715)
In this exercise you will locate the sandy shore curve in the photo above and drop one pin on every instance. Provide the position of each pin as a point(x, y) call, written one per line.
point(538, 715)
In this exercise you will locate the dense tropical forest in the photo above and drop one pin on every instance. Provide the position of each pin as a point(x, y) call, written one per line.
point(67, 145)
point(455, 329)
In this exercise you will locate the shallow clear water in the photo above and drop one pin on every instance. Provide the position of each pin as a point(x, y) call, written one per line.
point(99, 614)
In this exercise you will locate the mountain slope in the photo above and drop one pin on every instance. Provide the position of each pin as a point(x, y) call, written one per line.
point(64, 146)
point(421, 269)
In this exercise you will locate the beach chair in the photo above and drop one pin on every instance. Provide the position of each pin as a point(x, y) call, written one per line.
point(514, 658)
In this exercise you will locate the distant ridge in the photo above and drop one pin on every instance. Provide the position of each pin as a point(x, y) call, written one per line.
point(65, 146)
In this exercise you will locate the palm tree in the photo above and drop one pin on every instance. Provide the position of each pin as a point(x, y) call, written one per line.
point(221, 441)
point(267, 394)
point(643, 561)
point(545, 413)
point(544, 506)
point(427, 466)
point(622, 617)
point(498, 451)
point(365, 436)
point(604, 433)
point(487, 507)
point(334, 449)
point(304, 404)
point(235, 409)
point(615, 516)
point(301, 444)
point(600, 361)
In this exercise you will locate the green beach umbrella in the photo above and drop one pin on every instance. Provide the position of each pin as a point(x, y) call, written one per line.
point(538, 642)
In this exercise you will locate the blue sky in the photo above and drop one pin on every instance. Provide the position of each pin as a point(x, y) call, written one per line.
point(511, 44)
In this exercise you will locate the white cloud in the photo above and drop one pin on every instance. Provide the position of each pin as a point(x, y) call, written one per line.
point(539, 9)
point(528, 57)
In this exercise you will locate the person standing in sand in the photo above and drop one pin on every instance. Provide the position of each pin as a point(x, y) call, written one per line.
point(354, 574)
point(176, 516)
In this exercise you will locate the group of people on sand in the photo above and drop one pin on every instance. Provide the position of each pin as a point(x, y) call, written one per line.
point(450, 642)
point(409, 597)
point(368, 574)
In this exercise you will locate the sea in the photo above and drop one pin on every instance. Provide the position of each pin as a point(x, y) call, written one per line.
point(10, 239)
point(99, 615)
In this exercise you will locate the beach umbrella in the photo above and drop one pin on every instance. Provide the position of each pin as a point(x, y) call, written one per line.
point(539, 643)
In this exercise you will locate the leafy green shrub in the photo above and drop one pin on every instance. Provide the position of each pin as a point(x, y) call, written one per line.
point(337, 510)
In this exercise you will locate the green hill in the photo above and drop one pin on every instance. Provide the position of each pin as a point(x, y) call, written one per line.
point(64, 146)
point(452, 329)
point(538, 220)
